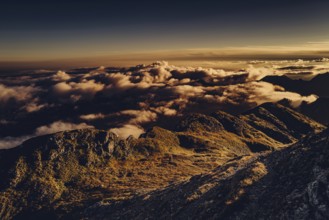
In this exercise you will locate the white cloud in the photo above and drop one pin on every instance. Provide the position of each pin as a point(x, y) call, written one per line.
point(139, 116)
point(260, 92)
point(84, 90)
point(164, 111)
point(92, 116)
point(119, 82)
point(257, 73)
point(188, 90)
point(133, 125)
point(10, 142)
point(61, 76)
point(17, 93)
point(60, 126)
point(127, 130)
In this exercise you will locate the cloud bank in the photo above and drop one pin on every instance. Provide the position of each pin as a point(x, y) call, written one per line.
point(129, 100)
point(9, 142)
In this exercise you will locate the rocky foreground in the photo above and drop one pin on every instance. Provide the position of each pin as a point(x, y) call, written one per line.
point(289, 184)
point(268, 163)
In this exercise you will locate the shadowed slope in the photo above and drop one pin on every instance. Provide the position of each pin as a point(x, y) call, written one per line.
point(287, 184)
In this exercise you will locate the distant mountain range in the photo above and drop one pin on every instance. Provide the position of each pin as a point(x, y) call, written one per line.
point(317, 110)
point(318, 85)
point(269, 162)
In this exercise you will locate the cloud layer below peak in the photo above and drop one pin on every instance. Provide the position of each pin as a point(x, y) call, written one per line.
point(129, 100)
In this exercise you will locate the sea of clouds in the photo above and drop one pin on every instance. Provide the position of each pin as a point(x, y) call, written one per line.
point(129, 100)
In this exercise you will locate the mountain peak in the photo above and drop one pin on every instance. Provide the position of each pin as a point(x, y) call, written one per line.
point(200, 122)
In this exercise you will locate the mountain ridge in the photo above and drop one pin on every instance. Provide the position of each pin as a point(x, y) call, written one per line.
point(295, 178)
point(62, 174)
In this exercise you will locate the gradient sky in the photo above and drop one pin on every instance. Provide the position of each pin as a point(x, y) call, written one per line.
point(41, 30)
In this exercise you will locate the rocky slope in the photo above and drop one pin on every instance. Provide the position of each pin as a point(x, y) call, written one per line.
point(287, 184)
point(279, 122)
point(61, 175)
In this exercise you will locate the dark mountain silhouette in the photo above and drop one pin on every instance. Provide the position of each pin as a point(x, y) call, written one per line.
point(317, 85)
point(317, 110)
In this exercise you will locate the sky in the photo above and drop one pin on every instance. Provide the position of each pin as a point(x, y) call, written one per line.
point(75, 30)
